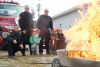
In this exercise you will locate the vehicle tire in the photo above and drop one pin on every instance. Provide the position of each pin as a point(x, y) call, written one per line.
point(56, 63)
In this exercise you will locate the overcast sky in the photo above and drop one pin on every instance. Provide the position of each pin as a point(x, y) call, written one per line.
point(54, 6)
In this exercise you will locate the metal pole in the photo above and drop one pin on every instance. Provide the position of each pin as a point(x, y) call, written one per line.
point(60, 26)
point(38, 8)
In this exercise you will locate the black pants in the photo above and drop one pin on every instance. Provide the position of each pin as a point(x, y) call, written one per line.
point(45, 41)
point(13, 48)
point(26, 38)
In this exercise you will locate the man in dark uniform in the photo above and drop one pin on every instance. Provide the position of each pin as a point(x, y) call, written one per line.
point(14, 42)
point(26, 25)
point(45, 25)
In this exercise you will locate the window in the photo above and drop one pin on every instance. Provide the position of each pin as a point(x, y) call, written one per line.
point(10, 10)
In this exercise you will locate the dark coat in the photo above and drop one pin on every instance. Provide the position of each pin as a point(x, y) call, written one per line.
point(26, 21)
point(12, 47)
point(44, 24)
point(15, 36)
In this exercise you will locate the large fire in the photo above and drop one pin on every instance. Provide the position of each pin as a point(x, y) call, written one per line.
point(85, 35)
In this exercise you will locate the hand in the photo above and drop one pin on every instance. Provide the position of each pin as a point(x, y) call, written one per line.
point(21, 46)
point(24, 31)
point(14, 41)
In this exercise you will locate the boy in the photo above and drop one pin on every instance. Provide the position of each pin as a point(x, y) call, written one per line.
point(34, 40)
point(14, 42)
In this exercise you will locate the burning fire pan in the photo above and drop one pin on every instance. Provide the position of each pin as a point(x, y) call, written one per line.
point(64, 61)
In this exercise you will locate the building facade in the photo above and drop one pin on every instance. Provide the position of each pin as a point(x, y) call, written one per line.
point(66, 19)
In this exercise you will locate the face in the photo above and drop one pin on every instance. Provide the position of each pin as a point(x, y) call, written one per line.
point(46, 12)
point(26, 8)
point(34, 33)
point(17, 29)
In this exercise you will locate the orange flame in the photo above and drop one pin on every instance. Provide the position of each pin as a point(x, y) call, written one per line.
point(85, 35)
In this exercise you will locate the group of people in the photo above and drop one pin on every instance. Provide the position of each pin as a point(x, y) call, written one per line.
point(15, 41)
point(25, 33)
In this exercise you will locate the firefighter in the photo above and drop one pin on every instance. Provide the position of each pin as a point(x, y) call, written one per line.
point(26, 24)
point(14, 42)
point(45, 25)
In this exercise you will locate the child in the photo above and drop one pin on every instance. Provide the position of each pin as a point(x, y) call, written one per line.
point(34, 40)
point(14, 42)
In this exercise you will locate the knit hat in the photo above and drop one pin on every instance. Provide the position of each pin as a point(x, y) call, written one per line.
point(34, 30)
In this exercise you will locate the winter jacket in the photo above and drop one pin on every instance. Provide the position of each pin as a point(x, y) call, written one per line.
point(15, 36)
point(26, 21)
point(44, 24)
point(35, 39)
